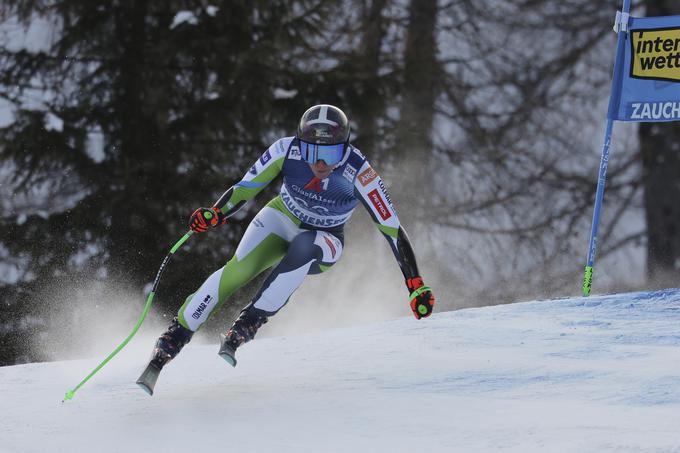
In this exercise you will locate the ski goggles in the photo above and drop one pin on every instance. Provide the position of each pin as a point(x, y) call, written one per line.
point(331, 154)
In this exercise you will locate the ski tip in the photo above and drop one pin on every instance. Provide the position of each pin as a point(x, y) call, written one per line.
point(227, 352)
point(147, 381)
point(231, 360)
point(144, 386)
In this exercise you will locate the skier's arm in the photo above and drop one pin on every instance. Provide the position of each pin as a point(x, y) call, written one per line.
point(264, 171)
point(371, 190)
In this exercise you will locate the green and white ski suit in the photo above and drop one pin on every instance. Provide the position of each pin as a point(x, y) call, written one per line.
point(301, 229)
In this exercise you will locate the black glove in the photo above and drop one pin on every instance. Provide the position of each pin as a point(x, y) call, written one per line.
point(204, 218)
point(422, 299)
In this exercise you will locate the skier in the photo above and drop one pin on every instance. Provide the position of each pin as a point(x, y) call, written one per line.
point(324, 178)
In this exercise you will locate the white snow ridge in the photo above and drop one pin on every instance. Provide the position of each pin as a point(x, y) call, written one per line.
point(551, 376)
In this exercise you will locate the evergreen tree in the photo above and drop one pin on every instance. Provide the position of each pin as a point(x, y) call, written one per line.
point(160, 106)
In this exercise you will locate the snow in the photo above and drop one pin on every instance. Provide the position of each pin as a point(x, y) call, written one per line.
point(182, 17)
point(53, 122)
point(282, 93)
point(544, 376)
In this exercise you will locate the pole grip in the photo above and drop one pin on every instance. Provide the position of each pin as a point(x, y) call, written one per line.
point(419, 291)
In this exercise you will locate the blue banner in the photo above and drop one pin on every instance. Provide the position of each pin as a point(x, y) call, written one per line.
point(650, 80)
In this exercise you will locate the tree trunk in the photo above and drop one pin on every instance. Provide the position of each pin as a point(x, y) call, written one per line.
point(420, 62)
point(660, 150)
point(414, 137)
point(371, 103)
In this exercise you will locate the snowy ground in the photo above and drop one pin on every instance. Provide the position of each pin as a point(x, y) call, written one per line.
point(547, 376)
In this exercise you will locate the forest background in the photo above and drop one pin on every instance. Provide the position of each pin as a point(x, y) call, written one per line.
point(485, 118)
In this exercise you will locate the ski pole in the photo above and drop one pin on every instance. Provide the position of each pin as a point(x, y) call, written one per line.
point(149, 299)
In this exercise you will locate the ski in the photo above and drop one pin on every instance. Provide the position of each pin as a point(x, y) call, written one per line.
point(227, 352)
point(147, 381)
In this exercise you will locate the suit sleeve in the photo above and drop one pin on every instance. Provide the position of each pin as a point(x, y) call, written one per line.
point(264, 171)
point(370, 189)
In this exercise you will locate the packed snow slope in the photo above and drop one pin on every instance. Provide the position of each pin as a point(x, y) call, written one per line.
point(548, 376)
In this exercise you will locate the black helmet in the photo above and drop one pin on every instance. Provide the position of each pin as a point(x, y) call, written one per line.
point(324, 125)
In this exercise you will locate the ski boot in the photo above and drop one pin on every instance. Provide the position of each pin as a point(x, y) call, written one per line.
point(242, 331)
point(167, 347)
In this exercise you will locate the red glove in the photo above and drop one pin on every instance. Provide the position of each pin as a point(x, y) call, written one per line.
point(204, 218)
point(422, 299)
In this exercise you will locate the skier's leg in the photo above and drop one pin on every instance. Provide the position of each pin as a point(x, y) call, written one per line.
point(166, 348)
point(263, 244)
point(311, 252)
point(170, 343)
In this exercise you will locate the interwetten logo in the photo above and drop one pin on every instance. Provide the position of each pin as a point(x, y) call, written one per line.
point(655, 54)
